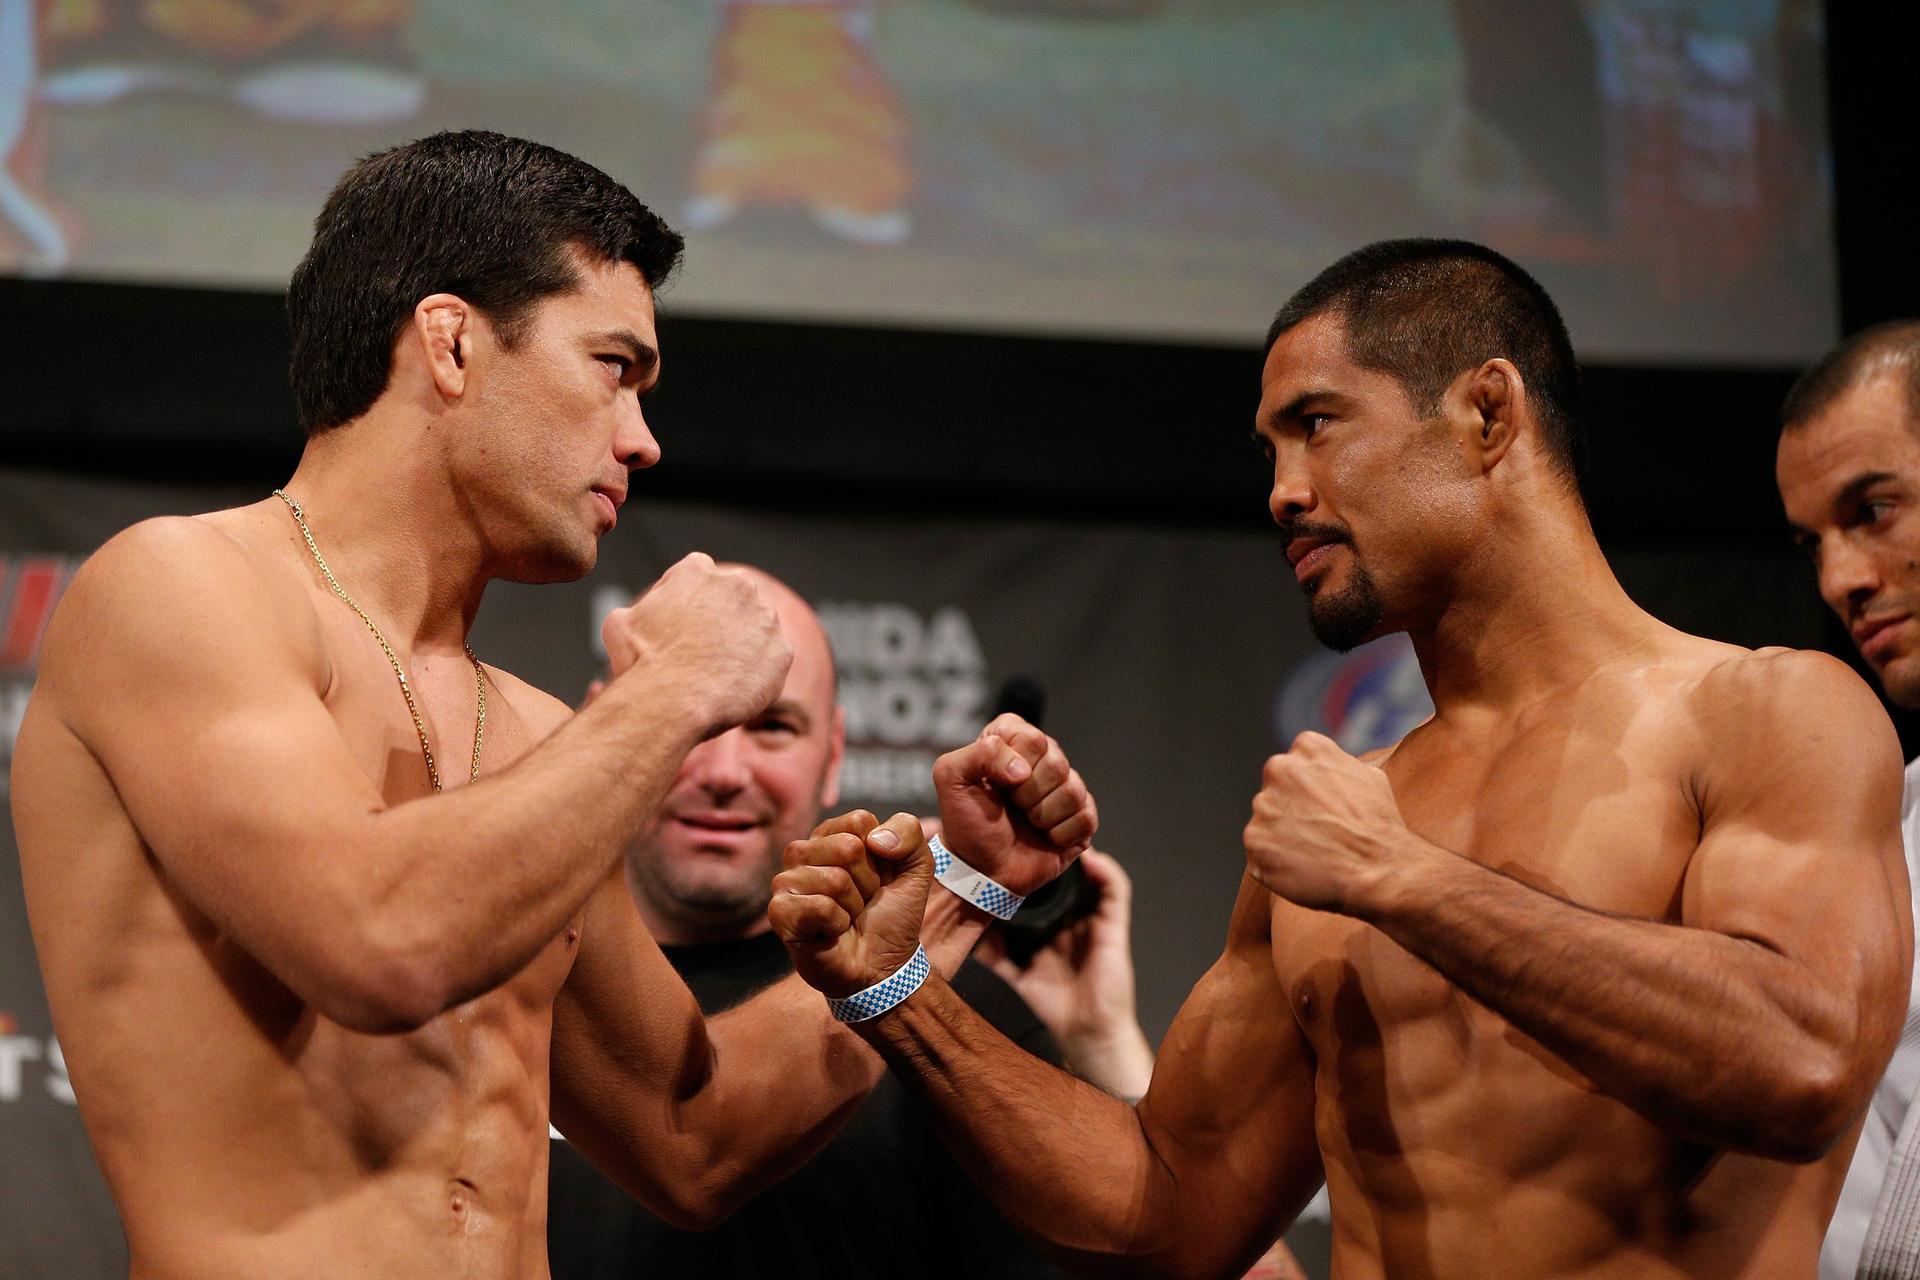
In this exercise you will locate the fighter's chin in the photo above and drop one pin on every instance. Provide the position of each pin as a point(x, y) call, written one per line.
point(1900, 677)
point(1346, 618)
point(1343, 635)
point(568, 562)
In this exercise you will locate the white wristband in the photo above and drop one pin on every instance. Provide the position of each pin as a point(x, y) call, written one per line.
point(884, 994)
point(976, 887)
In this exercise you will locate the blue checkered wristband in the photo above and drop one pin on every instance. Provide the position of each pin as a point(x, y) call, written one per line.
point(885, 994)
point(976, 887)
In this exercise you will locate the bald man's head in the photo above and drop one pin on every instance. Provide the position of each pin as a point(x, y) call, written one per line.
point(1890, 350)
point(798, 621)
point(704, 872)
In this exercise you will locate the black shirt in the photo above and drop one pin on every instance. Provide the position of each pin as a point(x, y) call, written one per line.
point(883, 1199)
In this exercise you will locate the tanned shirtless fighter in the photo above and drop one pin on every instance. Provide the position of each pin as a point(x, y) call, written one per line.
point(1591, 975)
point(314, 1009)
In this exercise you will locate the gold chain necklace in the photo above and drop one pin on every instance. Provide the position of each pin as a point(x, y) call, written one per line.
point(406, 691)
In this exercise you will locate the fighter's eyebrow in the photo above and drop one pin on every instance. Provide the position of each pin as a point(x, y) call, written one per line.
point(1297, 407)
point(645, 358)
point(1848, 495)
point(1855, 489)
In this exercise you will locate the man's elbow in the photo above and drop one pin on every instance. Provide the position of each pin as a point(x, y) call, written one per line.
point(1816, 1108)
point(381, 989)
point(379, 1008)
point(697, 1203)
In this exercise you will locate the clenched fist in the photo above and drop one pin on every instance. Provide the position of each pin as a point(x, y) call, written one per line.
point(850, 902)
point(1013, 806)
point(713, 631)
point(1325, 829)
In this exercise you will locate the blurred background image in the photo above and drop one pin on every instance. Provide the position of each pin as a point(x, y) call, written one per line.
point(1141, 168)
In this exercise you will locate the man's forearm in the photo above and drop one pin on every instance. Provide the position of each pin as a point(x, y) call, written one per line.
point(1058, 1156)
point(785, 1077)
point(1716, 1038)
point(469, 885)
point(953, 926)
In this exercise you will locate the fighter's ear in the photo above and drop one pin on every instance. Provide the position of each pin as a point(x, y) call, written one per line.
point(442, 330)
point(1493, 397)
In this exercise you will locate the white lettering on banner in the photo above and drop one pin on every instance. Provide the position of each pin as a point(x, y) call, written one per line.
point(58, 1083)
point(891, 639)
point(912, 686)
point(879, 776)
point(951, 644)
point(15, 1052)
point(945, 710)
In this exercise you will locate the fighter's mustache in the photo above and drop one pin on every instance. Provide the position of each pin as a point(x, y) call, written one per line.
point(1312, 529)
point(1304, 536)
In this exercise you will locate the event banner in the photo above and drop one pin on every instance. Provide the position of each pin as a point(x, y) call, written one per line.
point(1174, 661)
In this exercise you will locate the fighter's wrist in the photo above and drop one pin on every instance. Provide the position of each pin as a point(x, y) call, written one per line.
point(1399, 877)
point(976, 887)
point(950, 930)
point(671, 709)
point(884, 993)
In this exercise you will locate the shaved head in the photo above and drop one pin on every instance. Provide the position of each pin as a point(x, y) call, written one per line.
point(1890, 350)
point(704, 872)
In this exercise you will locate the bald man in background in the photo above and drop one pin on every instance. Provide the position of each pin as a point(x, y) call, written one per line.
point(701, 878)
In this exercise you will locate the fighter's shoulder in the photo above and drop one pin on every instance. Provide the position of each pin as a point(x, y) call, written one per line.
point(168, 579)
point(1789, 730)
point(1776, 687)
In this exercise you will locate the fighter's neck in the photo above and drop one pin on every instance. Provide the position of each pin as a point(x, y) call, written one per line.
point(392, 531)
point(1527, 622)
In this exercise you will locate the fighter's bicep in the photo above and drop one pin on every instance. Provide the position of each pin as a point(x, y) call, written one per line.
point(176, 668)
point(1799, 801)
point(1800, 851)
point(1231, 1106)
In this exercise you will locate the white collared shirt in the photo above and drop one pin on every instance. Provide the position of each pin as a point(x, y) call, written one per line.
point(1867, 1175)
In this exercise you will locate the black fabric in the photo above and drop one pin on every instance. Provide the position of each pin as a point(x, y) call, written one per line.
point(884, 1199)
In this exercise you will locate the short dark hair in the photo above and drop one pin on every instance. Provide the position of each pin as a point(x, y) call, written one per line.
point(478, 214)
point(1425, 311)
point(1885, 350)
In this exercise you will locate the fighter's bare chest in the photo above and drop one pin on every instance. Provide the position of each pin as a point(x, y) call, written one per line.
point(1606, 822)
point(1601, 815)
point(382, 724)
point(383, 727)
